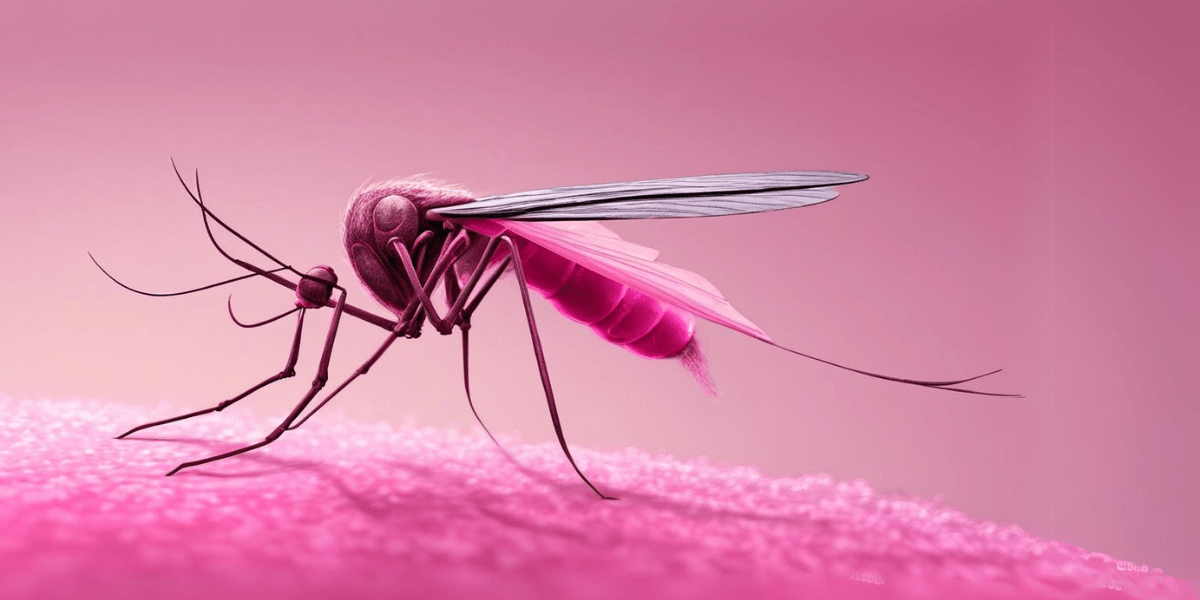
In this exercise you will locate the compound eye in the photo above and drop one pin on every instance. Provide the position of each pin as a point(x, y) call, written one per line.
point(396, 216)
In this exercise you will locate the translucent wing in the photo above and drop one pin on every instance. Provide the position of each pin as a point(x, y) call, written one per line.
point(627, 263)
point(595, 235)
point(702, 196)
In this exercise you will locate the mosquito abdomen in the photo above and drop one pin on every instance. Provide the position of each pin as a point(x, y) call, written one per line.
point(621, 315)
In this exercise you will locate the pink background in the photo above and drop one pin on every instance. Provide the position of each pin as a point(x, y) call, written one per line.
point(1032, 206)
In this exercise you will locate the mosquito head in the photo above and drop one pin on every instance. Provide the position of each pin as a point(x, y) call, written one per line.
point(386, 211)
point(316, 288)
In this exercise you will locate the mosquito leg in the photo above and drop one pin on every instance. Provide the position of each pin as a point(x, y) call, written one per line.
point(421, 251)
point(461, 307)
point(451, 287)
point(455, 298)
point(288, 371)
point(464, 325)
point(408, 326)
point(397, 333)
point(317, 384)
point(541, 362)
point(419, 290)
point(414, 329)
point(449, 254)
point(402, 329)
point(469, 308)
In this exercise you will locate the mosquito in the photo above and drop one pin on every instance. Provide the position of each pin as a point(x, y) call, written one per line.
point(406, 239)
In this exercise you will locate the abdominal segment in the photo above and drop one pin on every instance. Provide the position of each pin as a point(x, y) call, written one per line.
point(619, 314)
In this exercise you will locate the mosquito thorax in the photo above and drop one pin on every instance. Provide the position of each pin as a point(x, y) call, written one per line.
point(316, 288)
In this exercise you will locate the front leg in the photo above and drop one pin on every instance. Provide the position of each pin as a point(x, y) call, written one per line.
point(408, 326)
point(397, 333)
point(288, 370)
point(317, 384)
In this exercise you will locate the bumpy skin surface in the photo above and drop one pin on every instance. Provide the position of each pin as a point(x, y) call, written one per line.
point(341, 509)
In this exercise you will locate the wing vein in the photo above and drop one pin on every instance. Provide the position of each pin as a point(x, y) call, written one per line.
point(702, 196)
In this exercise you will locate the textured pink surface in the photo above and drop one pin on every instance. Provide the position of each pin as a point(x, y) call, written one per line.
point(344, 509)
point(1031, 206)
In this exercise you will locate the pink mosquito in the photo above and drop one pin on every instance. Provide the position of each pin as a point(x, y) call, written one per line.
point(405, 239)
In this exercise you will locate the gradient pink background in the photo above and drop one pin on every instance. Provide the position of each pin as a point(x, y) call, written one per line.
point(1032, 206)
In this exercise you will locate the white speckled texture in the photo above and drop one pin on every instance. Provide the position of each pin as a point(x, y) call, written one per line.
point(340, 509)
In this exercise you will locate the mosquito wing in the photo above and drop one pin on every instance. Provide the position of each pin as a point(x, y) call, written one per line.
point(702, 196)
point(597, 248)
point(594, 235)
